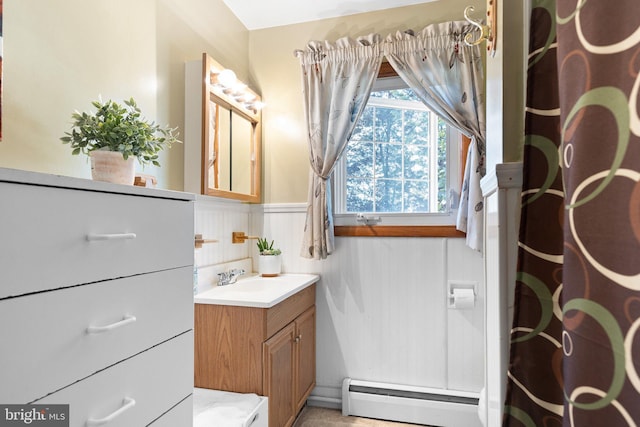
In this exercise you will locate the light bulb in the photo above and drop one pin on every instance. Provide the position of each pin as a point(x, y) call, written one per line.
point(227, 78)
point(239, 87)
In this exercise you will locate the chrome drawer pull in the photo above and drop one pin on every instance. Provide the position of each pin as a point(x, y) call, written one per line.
point(127, 404)
point(117, 236)
point(99, 329)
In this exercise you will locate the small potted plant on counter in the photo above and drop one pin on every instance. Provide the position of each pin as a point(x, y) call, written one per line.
point(269, 260)
point(114, 136)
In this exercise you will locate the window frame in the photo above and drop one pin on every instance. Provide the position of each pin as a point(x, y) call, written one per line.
point(404, 224)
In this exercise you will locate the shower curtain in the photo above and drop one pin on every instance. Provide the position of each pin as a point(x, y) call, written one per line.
point(575, 346)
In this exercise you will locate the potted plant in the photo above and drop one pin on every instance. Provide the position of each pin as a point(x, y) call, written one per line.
point(114, 136)
point(269, 260)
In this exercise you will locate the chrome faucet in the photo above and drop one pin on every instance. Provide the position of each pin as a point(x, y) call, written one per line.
point(229, 277)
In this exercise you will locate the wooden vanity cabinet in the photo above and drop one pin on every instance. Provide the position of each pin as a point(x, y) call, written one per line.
point(289, 368)
point(305, 363)
point(267, 351)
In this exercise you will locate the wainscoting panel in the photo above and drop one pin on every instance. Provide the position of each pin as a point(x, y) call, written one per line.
point(216, 219)
point(384, 301)
point(465, 338)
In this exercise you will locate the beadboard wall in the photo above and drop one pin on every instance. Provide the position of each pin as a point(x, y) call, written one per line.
point(382, 310)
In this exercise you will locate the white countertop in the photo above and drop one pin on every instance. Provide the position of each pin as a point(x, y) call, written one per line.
point(19, 176)
point(257, 291)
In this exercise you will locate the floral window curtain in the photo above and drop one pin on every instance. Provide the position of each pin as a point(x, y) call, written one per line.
point(448, 76)
point(337, 80)
point(575, 350)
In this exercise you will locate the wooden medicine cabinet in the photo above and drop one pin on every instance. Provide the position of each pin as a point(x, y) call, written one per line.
point(222, 133)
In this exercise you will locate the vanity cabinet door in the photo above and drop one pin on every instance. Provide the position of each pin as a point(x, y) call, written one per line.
point(279, 359)
point(305, 342)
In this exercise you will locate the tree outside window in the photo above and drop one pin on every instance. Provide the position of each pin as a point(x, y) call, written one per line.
point(396, 159)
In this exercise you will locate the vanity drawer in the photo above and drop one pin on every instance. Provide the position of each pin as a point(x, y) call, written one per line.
point(283, 313)
point(155, 380)
point(56, 237)
point(48, 331)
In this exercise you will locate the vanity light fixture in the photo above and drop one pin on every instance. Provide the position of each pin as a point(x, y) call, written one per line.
point(225, 82)
point(248, 97)
point(238, 87)
point(227, 78)
point(254, 106)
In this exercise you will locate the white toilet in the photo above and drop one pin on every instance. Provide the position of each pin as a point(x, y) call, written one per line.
point(215, 408)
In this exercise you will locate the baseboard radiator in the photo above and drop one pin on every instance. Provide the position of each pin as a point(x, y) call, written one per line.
point(409, 404)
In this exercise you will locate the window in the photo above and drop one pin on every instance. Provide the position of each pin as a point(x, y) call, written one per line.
point(400, 163)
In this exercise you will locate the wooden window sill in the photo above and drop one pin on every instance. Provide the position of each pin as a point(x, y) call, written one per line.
point(397, 231)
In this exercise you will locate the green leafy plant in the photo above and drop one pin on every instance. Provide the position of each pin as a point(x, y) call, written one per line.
point(121, 128)
point(266, 248)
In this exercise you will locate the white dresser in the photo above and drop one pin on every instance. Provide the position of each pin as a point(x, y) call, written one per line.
point(96, 299)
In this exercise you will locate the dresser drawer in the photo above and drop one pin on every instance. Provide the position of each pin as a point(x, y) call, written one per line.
point(56, 237)
point(155, 381)
point(179, 415)
point(49, 338)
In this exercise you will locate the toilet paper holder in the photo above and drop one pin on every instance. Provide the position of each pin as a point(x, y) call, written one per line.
point(461, 295)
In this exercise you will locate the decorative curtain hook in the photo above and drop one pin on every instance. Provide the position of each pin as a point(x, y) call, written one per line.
point(484, 29)
point(488, 32)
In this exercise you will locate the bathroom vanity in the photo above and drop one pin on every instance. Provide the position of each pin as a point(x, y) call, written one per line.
point(258, 336)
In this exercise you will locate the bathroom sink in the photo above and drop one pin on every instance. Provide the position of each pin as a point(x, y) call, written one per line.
point(257, 291)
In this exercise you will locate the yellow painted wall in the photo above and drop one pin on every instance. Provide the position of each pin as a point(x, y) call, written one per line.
point(59, 55)
point(506, 75)
point(277, 73)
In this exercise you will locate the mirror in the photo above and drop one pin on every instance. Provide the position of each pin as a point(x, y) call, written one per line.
point(230, 154)
point(232, 136)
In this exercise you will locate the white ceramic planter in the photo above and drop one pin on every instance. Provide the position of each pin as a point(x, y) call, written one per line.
point(110, 166)
point(269, 265)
